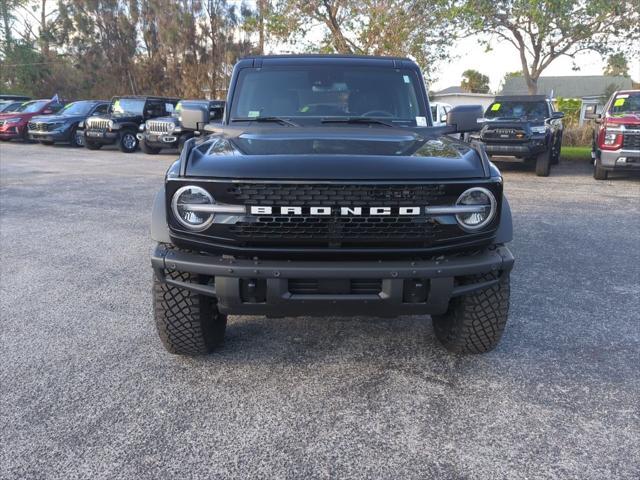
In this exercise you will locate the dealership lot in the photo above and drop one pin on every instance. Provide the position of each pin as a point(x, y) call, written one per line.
point(88, 392)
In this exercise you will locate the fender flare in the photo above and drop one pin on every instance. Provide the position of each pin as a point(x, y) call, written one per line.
point(505, 230)
point(159, 228)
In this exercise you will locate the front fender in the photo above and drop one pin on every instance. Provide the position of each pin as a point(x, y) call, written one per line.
point(505, 230)
point(159, 228)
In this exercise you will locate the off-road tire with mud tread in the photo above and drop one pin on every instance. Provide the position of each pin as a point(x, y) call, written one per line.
point(148, 149)
point(474, 323)
point(543, 163)
point(188, 323)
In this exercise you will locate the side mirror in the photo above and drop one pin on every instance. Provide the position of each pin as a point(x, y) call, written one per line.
point(590, 112)
point(464, 118)
point(194, 117)
point(443, 118)
point(557, 115)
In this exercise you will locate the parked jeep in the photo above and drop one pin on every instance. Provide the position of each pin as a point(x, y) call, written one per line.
point(173, 131)
point(526, 127)
point(122, 122)
point(327, 191)
point(616, 142)
point(63, 126)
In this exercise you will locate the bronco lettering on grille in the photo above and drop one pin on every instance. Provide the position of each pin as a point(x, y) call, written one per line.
point(341, 211)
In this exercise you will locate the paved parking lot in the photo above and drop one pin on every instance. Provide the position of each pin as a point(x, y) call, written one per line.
point(88, 392)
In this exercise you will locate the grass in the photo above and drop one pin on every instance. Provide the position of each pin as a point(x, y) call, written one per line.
point(576, 154)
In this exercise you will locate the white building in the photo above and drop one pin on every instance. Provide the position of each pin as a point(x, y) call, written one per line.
point(455, 96)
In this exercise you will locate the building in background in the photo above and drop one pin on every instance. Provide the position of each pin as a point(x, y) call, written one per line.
point(455, 96)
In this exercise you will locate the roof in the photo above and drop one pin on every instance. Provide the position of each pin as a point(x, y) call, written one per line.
point(451, 89)
point(462, 94)
point(310, 58)
point(568, 86)
point(521, 98)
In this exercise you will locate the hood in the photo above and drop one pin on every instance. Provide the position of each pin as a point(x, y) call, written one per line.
point(119, 118)
point(57, 118)
point(4, 116)
point(333, 153)
point(173, 120)
point(624, 118)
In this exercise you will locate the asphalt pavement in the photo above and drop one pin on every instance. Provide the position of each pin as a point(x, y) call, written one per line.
point(87, 391)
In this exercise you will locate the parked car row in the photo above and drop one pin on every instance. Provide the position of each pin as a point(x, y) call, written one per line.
point(153, 123)
point(525, 127)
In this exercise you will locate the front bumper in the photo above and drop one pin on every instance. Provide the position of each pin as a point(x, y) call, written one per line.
point(257, 287)
point(159, 141)
point(104, 138)
point(613, 160)
point(523, 150)
point(55, 136)
point(11, 132)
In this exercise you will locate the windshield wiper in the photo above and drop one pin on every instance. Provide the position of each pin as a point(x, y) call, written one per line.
point(366, 120)
point(280, 120)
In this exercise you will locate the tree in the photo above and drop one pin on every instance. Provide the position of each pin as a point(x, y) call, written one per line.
point(475, 82)
point(543, 31)
point(617, 65)
point(421, 29)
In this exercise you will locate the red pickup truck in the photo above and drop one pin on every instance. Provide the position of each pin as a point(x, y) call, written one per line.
point(14, 124)
point(616, 143)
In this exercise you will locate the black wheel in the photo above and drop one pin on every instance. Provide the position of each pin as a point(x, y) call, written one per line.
point(474, 322)
point(128, 142)
point(149, 149)
point(25, 135)
point(92, 145)
point(188, 323)
point(599, 173)
point(543, 164)
point(46, 142)
point(76, 139)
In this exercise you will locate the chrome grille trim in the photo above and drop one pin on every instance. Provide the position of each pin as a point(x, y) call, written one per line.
point(160, 127)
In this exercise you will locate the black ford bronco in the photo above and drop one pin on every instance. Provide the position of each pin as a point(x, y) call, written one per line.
point(174, 130)
point(327, 191)
point(121, 124)
point(526, 127)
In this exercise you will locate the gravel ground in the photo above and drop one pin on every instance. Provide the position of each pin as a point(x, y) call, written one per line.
point(88, 392)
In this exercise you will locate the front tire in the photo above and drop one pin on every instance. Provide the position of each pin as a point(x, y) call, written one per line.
point(188, 323)
point(75, 139)
point(474, 323)
point(128, 142)
point(599, 173)
point(543, 164)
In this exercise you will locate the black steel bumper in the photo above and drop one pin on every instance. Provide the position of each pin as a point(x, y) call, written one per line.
point(159, 141)
point(515, 150)
point(105, 138)
point(257, 287)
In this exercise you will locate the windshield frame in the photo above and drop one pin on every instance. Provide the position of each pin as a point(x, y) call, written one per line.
point(89, 105)
point(127, 112)
point(492, 115)
point(23, 108)
point(413, 73)
point(623, 95)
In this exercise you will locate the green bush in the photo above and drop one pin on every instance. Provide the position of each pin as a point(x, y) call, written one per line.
point(574, 136)
point(571, 109)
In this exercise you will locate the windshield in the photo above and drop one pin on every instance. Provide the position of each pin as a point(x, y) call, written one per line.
point(127, 106)
point(626, 103)
point(513, 109)
point(32, 107)
point(77, 108)
point(321, 91)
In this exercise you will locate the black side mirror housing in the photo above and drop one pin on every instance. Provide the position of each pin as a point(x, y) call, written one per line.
point(557, 115)
point(590, 113)
point(194, 117)
point(464, 118)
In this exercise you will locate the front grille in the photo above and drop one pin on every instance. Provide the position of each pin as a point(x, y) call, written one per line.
point(97, 124)
point(323, 195)
point(159, 127)
point(305, 286)
point(631, 140)
point(41, 127)
point(342, 229)
point(504, 134)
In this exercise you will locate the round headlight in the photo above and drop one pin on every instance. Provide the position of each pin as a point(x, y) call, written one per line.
point(110, 123)
point(189, 206)
point(482, 208)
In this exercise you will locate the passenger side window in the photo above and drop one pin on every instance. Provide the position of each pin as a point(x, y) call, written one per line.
point(55, 107)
